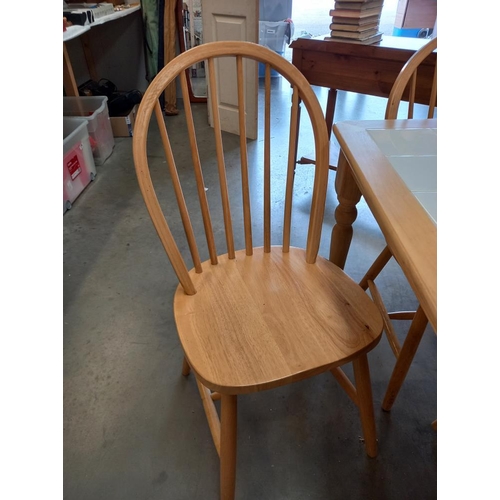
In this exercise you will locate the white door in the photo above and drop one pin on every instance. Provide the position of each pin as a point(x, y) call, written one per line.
point(233, 20)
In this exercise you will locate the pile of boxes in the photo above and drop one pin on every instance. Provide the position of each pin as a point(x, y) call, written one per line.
point(87, 141)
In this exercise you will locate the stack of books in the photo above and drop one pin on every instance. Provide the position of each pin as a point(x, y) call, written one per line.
point(356, 21)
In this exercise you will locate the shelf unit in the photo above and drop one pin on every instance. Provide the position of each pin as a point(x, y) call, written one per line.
point(193, 34)
point(69, 82)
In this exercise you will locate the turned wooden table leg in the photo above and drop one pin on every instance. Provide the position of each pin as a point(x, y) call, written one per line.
point(348, 195)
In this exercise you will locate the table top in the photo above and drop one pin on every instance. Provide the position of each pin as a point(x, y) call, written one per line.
point(75, 31)
point(413, 155)
point(394, 165)
point(366, 69)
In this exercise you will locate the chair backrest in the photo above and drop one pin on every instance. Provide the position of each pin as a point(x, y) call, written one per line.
point(407, 83)
point(300, 91)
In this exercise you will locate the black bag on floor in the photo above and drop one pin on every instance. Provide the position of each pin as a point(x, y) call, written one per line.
point(119, 102)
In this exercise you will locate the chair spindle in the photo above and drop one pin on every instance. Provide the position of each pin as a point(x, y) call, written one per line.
point(411, 99)
point(181, 202)
point(200, 183)
point(220, 159)
point(433, 98)
point(292, 148)
point(267, 159)
point(247, 217)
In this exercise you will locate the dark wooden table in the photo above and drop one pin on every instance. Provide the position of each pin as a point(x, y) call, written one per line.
point(366, 69)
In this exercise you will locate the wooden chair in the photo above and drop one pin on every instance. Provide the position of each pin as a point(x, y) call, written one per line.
point(405, 86)
point(253, 319)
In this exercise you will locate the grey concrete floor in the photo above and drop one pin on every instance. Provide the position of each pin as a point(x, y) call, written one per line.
point(134, 427)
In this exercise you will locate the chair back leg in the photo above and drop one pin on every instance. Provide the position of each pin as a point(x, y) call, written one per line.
point(403, 363)
point(365, 403)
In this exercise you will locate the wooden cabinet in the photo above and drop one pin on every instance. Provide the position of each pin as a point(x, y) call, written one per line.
point(416, 14)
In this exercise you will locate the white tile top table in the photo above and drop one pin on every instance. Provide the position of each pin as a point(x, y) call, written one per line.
point(392, 164)
point(413, 154)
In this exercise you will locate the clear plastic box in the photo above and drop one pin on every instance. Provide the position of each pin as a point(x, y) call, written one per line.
point(272, 35)
point(262, 69)
point(95, 110)
point(78, 161)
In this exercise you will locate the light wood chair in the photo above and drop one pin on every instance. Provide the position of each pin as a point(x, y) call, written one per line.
point(404, 88)
point(255, 318)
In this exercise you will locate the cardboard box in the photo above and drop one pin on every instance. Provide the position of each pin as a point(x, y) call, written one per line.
point(123, 126)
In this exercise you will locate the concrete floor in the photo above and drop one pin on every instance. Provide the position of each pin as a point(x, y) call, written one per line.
point(134, 427)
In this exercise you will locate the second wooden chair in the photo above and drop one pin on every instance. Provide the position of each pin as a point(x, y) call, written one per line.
point(405, 88)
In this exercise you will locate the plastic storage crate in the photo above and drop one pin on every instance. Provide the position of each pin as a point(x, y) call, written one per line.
point(95, 110)
point(262, 69)
point(78, 161)
point(272, 36)
point(412, 32)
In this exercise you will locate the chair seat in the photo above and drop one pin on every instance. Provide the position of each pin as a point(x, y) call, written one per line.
point(261, 321)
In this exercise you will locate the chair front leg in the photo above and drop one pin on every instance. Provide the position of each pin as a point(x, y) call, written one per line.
point(228, 446)
point(186, 369)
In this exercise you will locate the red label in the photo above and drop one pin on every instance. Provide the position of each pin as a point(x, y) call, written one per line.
point(74, 167)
